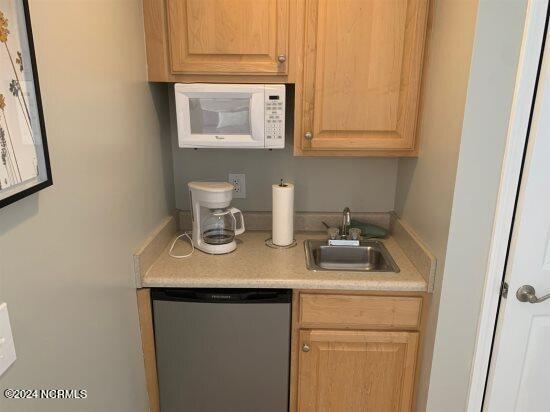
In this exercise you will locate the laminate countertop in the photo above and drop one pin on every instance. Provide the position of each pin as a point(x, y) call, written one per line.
point(254, 265)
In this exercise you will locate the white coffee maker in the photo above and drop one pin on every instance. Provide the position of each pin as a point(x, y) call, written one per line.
point(214, 222)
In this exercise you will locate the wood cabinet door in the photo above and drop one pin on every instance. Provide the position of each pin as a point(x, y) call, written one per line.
point(356, 371)
point(362, 72)
point(228, 36)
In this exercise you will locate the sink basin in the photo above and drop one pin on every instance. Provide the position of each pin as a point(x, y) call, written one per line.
point(369, 256)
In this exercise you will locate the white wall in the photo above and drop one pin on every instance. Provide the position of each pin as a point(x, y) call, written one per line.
point(322, 184)
point(65, 254)
point(448, 194)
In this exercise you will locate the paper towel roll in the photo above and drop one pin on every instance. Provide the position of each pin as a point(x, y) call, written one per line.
point(283, 214)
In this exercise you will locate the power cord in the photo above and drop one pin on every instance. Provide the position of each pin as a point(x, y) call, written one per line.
point(186, 234)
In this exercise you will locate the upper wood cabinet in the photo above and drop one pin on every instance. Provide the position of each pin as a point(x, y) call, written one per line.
point(228, 36)
point(362, 72)
point(217, 37)
point(356, 371)
point(356, 64)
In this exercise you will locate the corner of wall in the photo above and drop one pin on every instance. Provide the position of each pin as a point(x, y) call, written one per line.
point(425, 185)
point(491, 81)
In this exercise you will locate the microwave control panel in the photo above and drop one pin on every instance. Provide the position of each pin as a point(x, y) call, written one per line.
point(274, 115)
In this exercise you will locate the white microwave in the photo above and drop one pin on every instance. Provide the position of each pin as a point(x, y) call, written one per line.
point(231, 115)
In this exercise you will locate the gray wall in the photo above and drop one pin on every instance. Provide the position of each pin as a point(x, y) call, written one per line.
point(448, 194)
point(322, 184)
point(425, 185)
point(497, 45)
point(65, 253)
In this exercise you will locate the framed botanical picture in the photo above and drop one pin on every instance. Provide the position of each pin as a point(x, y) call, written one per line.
point(24, 161)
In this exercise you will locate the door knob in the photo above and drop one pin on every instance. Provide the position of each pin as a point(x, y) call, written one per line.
point(281, 58)
point(305, 348)
point(308, 135)
point(527, 293)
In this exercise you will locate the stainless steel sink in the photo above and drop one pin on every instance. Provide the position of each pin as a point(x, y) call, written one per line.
point(369, 256)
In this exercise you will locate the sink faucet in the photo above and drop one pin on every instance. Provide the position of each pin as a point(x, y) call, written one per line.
point(346, 223)
point(344, 238)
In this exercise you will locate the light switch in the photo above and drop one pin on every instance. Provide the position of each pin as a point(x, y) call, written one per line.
point(7, 348)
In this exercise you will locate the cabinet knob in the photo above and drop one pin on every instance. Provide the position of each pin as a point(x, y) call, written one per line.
point(308, 135)
point(281, 58)
point(305, 348)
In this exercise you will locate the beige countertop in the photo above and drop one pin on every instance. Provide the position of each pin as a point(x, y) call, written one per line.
point(253, 264)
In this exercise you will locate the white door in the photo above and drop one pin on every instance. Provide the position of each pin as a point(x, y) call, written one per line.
point(519, 377)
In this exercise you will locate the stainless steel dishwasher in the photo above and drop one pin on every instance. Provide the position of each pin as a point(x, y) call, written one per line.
point(222, 349)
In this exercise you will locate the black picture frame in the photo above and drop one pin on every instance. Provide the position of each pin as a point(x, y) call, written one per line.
point(44, 142)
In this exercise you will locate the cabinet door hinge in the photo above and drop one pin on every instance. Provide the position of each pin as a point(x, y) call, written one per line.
point(504, 289)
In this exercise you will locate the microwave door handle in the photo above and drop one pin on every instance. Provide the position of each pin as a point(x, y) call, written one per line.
point(257, 117)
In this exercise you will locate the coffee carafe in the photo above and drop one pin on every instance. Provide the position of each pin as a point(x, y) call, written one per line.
point(215, 223)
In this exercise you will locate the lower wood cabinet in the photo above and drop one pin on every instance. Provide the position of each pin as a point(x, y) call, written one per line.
point(354, 351)
point(356, 370)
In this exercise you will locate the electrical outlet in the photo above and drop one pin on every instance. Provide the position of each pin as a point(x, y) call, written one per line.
point(239, 185)
point(7, 348)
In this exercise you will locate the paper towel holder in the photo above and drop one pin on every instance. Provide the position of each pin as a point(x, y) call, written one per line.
point(269, 243)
